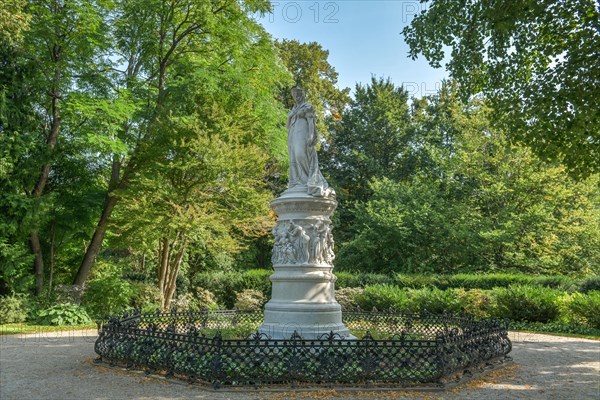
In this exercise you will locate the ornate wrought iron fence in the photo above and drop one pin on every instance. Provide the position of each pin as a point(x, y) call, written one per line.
point(222, 348)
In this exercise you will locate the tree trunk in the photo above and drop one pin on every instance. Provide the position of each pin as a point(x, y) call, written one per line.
point(96, 243)
point(51, 139)
point(52, 244)
point(38, 261)
point(168, 268)
point(163, 266)
point(174, 272)
point(110, 201)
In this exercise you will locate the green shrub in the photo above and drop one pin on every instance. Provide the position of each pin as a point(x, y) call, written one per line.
point(257, 279)
point(250, 299)
point(585, 308)
point(433, 300)
point(418, 281)
point(205, 299)
point(108, 295)
point(349, 279)
point(13, 309)
point(526, 303)
point(146, 296)
point(64, 314)
point(554, 281)
point(476, 302)
point(64, 294)
point(487, 281)
point(375, 279)
point(186, 302)
point(224, 285)
point(589, 284)
point(347, 297)
point(382, 297)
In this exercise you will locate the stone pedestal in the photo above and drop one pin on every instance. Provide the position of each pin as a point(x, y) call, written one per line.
point(303, 296)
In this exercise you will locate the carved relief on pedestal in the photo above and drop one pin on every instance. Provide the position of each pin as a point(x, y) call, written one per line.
point(298, 244)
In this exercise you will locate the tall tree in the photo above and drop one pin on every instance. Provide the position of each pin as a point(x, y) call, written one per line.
point(538, 62)
point(60, 55)
point(196, 42)
point(310, 67)
point(487, 206)
point(203, 189)
point(373, 139)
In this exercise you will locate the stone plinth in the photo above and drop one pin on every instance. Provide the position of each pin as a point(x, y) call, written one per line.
point(303, 296)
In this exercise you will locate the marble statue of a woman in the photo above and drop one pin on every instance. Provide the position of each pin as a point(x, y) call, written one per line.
point(302, 141)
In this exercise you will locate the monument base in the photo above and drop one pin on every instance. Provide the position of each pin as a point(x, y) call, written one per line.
point(303, 293)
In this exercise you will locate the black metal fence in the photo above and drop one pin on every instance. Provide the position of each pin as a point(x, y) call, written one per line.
point(223, 348)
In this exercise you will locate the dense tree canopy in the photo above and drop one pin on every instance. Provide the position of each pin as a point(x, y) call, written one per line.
point(141, 141)
point(95, 94)
point(312, 71)
point(537, 61)
point(486, 205)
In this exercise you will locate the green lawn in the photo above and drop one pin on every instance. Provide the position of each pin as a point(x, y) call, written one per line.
point(12, 329)
point(573, 335)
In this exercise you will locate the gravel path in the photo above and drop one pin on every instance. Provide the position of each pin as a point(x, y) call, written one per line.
point(59, 366)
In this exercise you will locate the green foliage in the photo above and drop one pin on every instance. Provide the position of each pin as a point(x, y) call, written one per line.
point(464, 280)
point(13, 21)
point(434, 301)
point(487, 281)
point(108, 293)
point(349, 279)
point(311, 70)
point(347, 296)
point(554, 281)
point(556, 327)
point(475, 302)
point(63, 314)
point(187, 302)
point(372, 140)
point(249, 299)
point(588, 284)
point(196, 300)
point(205, 299)
point(257, 279)
point(526, 303)
point(146, 296)
point(585, 308)
point(417, 281)
point(13, 309)
point(536, 61)
point(486, 205)
point(382, 297)
point(225, 285)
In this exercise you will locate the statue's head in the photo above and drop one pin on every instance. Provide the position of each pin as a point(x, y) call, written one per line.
point(298, 95)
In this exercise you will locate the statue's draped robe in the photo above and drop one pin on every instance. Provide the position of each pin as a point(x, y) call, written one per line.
point(302, 141)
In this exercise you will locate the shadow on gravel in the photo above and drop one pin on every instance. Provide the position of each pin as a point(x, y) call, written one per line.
point(58, 366)
point(549, 368)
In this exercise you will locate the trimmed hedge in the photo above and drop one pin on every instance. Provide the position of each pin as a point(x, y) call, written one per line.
point(526, 303)
point(589, 284)
point(467, 281)
point(585, 308)
point(522, 304)
point(542, 299)
point(382, 297)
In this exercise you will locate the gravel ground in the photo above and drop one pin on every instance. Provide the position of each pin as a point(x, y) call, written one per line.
point(59, 366)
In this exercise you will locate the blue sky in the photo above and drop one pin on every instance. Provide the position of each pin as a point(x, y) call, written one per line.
point(363, 38)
